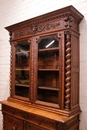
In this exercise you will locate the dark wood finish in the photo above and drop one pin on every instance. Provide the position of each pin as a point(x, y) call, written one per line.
point(44, 74)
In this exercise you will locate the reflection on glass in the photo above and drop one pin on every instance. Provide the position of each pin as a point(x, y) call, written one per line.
point(48, 69)
point(22, 77)
point(22, 55)
point(50, 42)
point(22, 69)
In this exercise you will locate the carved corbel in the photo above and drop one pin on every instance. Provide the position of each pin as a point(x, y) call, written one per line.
point(33, 28)
point(10, 34)
point(68, 21)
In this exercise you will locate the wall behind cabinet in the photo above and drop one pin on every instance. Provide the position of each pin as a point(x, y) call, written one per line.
point(14, 11)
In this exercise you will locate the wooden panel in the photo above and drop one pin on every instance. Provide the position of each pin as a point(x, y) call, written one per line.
point(11, 123)
point(34, 127)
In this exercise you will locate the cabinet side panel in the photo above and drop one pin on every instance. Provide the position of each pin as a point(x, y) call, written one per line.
point(74, 71)
point(75, 89)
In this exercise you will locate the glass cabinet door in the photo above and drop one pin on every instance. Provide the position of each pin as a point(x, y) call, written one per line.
point(48, 70)
point(22, 67)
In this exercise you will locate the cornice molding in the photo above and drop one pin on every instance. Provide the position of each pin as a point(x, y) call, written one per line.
point(51, 16)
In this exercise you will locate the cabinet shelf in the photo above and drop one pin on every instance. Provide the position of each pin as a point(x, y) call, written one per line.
point(22, 85)
point(48, 69)
point(26, 69)
point(49, 49)
point(48, 88)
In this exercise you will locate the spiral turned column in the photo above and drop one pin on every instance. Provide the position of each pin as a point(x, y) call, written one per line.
point(11, 71)
point(10, 78)
point(68, 72)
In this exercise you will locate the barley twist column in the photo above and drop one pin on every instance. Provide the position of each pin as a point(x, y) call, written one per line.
point(68, 72)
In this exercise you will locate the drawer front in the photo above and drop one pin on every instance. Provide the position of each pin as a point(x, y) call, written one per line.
point(34, 127)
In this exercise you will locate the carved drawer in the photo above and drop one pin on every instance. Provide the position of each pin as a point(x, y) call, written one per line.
point(34, 127)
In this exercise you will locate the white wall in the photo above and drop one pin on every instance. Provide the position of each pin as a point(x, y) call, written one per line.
point(14, 11)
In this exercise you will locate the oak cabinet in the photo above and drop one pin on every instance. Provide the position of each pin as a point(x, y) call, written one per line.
point(44, 73)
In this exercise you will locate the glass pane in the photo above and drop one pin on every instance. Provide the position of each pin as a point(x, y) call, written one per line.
point(48, 70)
point(22, 69)
point(49, 42)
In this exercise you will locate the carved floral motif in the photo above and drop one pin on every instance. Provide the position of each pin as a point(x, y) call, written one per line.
point(61, 126)
point(37, 28)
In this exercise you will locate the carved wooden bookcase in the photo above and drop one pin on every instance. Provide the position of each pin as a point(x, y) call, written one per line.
point(44, 73)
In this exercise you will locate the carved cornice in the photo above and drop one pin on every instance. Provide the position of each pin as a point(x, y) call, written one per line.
point(56, 20)
point(57, 14)
point(32, 24)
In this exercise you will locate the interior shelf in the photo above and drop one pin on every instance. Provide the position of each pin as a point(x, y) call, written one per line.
point(49, 49)
point(26, 69)
point(48, 88)
point(48, 69)
point(22, 85)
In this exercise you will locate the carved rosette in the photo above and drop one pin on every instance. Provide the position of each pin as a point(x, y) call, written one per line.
point(68, 71)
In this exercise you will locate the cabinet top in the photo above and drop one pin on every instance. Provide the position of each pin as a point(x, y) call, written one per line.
point(57, 14)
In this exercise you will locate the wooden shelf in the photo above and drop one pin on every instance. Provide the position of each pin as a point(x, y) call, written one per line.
point(48, 88)
point(48, 69)
point(26, 69)
point(22, 85)
point(49, 49)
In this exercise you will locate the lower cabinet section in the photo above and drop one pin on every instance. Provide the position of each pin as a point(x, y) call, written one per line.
point(27, 118)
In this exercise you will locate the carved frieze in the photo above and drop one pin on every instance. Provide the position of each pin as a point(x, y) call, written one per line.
point(39, 120)
point(37, 29)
